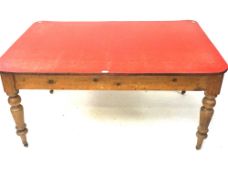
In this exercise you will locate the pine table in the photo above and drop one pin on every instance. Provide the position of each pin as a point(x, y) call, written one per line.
point(127, 55)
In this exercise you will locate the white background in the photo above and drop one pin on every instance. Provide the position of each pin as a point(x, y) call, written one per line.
point(113, 132)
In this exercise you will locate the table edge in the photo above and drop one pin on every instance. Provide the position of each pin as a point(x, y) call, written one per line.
point(116, 74)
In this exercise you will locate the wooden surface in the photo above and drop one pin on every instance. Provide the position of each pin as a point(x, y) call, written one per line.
point(113, 47)
point(116, 82)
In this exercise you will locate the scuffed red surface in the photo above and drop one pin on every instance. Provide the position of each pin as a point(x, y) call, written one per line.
point(113, 47)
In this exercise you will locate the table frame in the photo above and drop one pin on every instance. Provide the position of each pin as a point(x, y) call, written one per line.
point(209, 83)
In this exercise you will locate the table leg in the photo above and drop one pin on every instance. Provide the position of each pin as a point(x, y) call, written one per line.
point(18, 115)
point(206, 113)
point(183, 92)
point(16, 107)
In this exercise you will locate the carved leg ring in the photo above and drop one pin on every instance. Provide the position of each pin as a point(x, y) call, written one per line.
point(18, 115)
point(206, 113)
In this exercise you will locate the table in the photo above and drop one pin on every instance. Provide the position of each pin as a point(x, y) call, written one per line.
point(130, 55)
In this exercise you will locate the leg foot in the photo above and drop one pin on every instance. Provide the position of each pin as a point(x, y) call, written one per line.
point(200, 138)
point(183, 92)
point(22, 134)
point(206, 113)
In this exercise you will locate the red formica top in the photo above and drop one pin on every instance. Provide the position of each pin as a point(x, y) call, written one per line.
point(145, 47)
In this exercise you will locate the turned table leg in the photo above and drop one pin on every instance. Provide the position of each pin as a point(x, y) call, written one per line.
point(206, 113)
point(16, 108)
point(18, 116)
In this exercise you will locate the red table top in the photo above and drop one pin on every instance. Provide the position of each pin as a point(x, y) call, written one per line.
point(113, 47)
